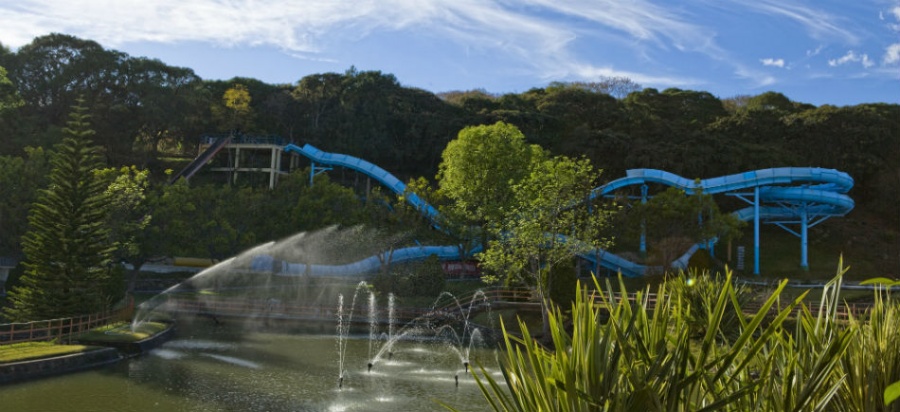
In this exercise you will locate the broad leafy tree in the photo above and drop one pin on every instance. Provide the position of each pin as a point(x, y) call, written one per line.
point(67, 253)
point(480, 168)
point(167, 106)
point(20, 180)
point(129, 217)
point(237, 104)
point(549, 222)
point(9, 97)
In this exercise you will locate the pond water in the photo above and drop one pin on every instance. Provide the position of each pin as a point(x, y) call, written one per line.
point(209, 367)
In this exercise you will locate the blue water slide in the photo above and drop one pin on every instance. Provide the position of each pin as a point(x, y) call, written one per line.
point(818, 179)
point(365, 266)
point(779, 194)
point(787, 192)
point(354, 163)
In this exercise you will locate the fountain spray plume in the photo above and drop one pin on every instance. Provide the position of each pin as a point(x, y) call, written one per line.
point(469, 336)
point(345, 320)
point(341, 342)
point(208, 278)
point(373, 328)
point(392, 319)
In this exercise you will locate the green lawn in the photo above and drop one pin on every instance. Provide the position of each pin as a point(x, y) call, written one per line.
point(17, 352)
point(121, 332)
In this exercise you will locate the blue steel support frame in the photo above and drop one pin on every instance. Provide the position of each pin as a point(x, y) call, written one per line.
point(314, 170)
point(756, 218)
point(756, 230)
point(804, 237)
point(643, 224)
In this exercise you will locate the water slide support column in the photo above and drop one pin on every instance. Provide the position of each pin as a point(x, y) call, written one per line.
point(804, 239)
point(314, 170)
point(756, 230)
point(273, 166)
point(643, 224)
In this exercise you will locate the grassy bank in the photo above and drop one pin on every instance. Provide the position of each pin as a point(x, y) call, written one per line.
point(122, 332)
point(18, 352)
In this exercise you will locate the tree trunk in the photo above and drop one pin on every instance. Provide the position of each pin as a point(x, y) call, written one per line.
point(133, 276)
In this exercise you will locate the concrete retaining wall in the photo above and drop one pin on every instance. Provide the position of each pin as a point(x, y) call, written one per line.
point(113, 352)
point(19, 371)
point(139, 347)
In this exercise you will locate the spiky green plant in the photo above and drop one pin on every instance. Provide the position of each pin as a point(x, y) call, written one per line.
point(872, 362)
point(623, 355)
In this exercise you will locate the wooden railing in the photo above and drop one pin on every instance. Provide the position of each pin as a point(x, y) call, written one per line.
point(270, 309)
point(475, 301)
point(62, 330)
point(843, 312)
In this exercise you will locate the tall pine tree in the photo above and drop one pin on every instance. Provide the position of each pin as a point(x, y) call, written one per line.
point(67, 251)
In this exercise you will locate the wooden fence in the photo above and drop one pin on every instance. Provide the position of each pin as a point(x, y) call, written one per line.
point(465, 305)
point(843, 311)
point(512, 296)
point(63, 330)
point(277, 309)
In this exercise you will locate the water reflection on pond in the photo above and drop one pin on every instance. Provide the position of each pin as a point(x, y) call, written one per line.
point(224, 368)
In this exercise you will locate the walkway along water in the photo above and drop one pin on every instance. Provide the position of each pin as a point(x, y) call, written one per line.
point(498, 298)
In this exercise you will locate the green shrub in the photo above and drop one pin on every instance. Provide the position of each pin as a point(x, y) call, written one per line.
point(564, 286)
point(701, 260)
point(421, 279)
point(627, 355)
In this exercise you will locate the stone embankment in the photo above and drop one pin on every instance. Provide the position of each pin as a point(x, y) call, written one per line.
point(106, 354)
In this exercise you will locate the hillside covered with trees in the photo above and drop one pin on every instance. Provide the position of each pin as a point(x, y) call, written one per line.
point(144, 112)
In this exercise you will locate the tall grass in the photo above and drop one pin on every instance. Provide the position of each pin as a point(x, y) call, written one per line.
point(701, 352)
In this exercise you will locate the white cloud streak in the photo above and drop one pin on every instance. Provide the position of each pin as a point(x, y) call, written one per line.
point(537, 36)
point(814, 19)
point(892, 54)
point(852, 57)
point(772, 62)
point(313, 28)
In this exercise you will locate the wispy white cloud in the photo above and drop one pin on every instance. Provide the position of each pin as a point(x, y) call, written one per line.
point(772, 62)
point(530, 32)
point(757, 78)
point(815, 52)
point(640, 19)
point(896, 12)
point(819, 23)
point(312, 29)
point(538, 38)
point(852, 57)
point(594, 72)
point(892, 54)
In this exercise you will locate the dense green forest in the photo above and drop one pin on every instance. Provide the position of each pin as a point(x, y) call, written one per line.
point(145, 113)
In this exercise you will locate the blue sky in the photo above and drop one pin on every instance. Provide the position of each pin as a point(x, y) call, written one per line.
point(839, 52)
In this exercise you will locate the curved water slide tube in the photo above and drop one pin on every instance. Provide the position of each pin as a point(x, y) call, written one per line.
point(820, 192)
point(370, 264)
point(779, 195)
